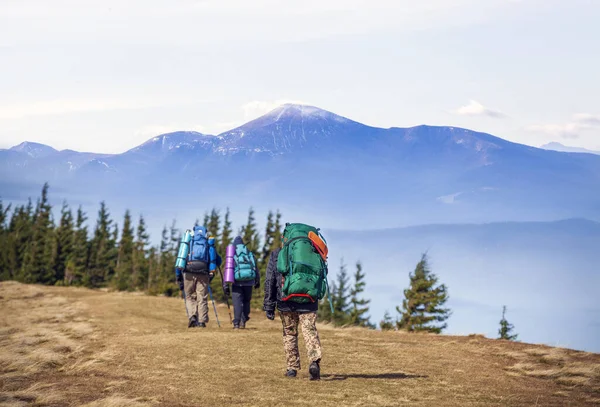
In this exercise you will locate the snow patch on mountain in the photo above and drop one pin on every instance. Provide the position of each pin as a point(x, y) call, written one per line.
point(34, 150)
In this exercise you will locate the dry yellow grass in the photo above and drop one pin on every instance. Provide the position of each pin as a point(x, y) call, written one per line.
point(77, 347)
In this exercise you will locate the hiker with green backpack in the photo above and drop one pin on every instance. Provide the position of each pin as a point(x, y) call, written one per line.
point(295, 282)
point(246, 277)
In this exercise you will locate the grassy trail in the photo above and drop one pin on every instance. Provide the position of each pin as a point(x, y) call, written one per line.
point(78, 347)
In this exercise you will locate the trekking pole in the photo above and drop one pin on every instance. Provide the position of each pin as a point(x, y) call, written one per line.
point(214, 306)
point(184, 304)
point(226, 296)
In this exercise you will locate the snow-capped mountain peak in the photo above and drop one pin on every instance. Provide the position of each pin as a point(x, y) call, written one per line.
point(170, 141)
point(34, 150)
point(295, 111)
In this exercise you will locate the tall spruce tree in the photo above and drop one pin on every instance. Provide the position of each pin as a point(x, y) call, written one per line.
point(324, 312)
point(214, 225)
point(20, 232)
point(153, 267)
point(101, 250)
point(77, 261)
point(422, 307)
point(359, 307)
point(124, 269)
point(226, 234)
point(4, 243)
point(140, 263)
point(506, 329)
point(64, 240)
point(276, 242)
point(250, 234)
point(37, 263)
point(169, 245)
point(263, 257)
point(341, 301)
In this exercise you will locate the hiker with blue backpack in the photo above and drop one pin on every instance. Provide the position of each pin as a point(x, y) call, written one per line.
point(296, 281)
point(241, 271)
point(195, 268)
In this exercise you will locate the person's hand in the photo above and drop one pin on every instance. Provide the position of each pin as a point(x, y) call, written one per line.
point(179, 281)
point(226, 290)
point(256, 286)
point(270, 315)
point(211, 275)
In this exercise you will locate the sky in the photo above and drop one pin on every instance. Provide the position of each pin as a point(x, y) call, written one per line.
point(106, 75)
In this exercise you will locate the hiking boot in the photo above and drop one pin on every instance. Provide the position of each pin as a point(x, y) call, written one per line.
point(236, 327)
point(290, 373)
point(193, 322)
point(201, 325)
point(315, 371)
point(243, 325)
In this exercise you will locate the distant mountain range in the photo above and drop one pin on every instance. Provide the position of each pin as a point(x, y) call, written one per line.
point(308, 160)
point(567, 149)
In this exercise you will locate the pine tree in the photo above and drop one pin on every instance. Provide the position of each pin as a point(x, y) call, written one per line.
point(169, 245)
point(263, 258)
point(324, 312)
point(360, 307)
point(112, 254)
point(77, 261)
point(226, 234)
point(423, 303)
point(506, 329)
point(276, 243)
point(20, 232)
point(100, 250)
point(153, 267)
point(206, 220)
point(64, 240)
point(341, 301)
point(214, 225)
point(386, 324)
point(37, 262)
point(250, 234)
point(124, 269)
point(4, 243)
point(140, 263)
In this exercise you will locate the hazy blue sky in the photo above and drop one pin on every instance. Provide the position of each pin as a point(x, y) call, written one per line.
point(105, 75)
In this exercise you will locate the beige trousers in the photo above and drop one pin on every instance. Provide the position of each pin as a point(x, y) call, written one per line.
point(195, 286)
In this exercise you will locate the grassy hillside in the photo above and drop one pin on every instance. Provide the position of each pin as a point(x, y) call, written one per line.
point(77, 347)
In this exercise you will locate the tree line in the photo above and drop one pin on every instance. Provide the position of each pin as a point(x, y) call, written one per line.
point(36, 249)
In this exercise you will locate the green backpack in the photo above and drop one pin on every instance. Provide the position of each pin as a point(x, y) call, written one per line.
point(303, 267)
point(245, 267)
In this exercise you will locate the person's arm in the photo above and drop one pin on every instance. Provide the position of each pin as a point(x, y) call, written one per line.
point(270, 300)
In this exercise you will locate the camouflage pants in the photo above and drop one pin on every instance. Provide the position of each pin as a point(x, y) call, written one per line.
point(307, 321)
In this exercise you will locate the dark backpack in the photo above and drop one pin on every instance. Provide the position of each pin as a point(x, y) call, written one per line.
point(245, 266)
point(302, 263)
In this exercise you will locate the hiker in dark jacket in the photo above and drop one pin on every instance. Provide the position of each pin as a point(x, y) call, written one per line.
point(292, 314)
point(242, 294)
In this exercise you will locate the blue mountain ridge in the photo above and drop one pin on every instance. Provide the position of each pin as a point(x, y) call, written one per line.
point(302, 155)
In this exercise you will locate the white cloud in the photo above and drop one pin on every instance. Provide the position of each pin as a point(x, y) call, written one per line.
point(587, 119)
point(580, 123)
point(475, 108)
point(257, 108)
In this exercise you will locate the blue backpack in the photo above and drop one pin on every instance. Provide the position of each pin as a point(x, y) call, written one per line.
point(245, 266)
point(199, 250)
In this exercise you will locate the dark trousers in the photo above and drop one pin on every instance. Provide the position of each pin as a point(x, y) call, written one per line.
point(241, 297)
